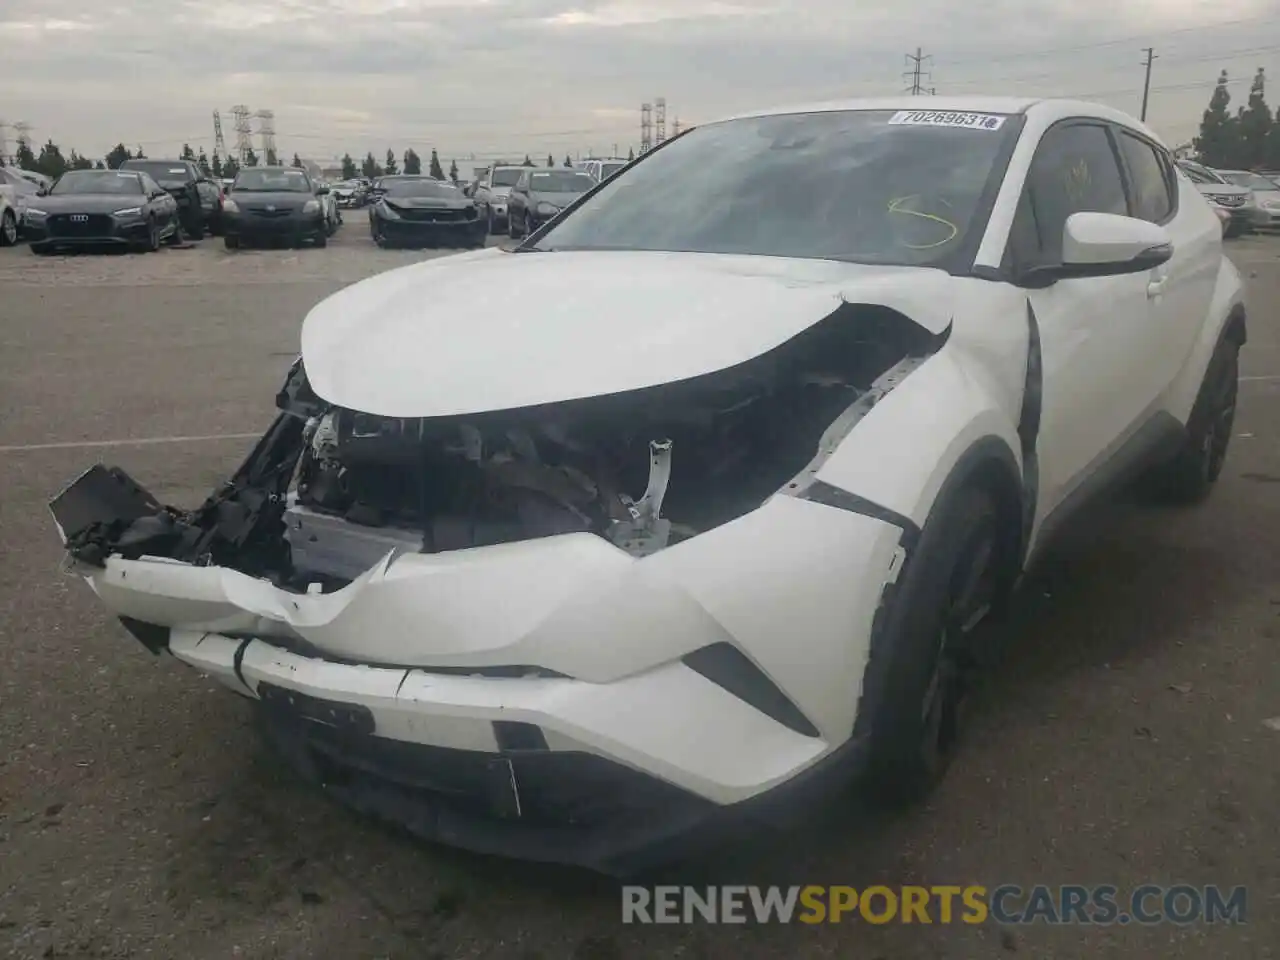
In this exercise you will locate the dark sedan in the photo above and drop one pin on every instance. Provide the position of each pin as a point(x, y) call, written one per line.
point(426, 212)
point(273, 203)
point(540, 195)
point(183, 181)
point(122, 208)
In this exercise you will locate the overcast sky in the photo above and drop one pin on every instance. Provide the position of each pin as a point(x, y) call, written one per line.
point(511, 77)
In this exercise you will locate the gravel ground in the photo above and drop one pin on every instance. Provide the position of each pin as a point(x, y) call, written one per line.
point(1122, 742)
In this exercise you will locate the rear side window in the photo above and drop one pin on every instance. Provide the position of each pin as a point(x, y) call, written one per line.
point(1074, 171)
point(1151, 179)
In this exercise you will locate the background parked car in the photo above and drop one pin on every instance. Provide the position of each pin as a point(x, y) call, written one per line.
point(39, 180)
point(1237, 201)
point(274, 203)
point(1266, 194)
point(181, 178)
point(10, 216)
point(20, 193)
point(211, 205)
point(540, 195)
point(603, 169)
point(349, 193)
point(423, 211)
point(96, 208)
point(491, 191)
point(329, 203)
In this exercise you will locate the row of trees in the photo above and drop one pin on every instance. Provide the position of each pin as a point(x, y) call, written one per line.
point(1249, 139)
point(52, 162)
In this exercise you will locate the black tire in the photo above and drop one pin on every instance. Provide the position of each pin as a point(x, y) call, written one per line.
point(321, 238)
point(231, 243)
point(930, 648)
point(493, 227)
point(41, 249)
point(1190, 474)
point(511, 225)
point(176, 239)
point(8, 229)
point(152, 243)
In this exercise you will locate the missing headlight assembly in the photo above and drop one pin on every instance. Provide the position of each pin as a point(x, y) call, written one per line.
point(328, 491)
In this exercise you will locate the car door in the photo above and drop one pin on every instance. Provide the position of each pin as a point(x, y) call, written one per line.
point(519, 195)
point(1095, 332)
point(1181, 290)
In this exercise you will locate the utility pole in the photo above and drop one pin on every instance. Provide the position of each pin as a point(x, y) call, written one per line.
point(1146, 86)
point(916, 72)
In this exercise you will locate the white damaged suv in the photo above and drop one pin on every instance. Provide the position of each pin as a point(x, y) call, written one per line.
point(702, 497)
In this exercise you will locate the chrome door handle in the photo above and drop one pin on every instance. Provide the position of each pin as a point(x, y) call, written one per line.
point(1156, 286)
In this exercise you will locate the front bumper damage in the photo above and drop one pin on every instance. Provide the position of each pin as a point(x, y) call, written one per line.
point(575, 698)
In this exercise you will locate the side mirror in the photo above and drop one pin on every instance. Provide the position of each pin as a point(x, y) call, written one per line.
point(42, 192)
point(1104, 245)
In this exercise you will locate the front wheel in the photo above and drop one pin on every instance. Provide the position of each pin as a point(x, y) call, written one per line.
point(321, 238)
point(923, 667)
point(1189, 476)
point(231, 243)
point(8, 229)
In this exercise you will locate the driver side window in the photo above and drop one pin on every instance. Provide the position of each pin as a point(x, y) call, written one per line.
point(1074, 170)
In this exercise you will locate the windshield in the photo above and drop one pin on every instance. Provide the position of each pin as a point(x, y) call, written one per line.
point(162, 172)
point(419, 188)
point(863, 186)
point(607, 170)
point(1251, 180)
point(560, 182)
point(506, 176)
point(97, 181)
point(272, 180)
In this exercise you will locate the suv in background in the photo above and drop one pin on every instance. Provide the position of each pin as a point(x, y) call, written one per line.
point(181, 179)
point(603, 169)
point(491, 191)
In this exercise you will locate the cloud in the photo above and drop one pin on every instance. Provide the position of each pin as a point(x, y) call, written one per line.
point(537, 76)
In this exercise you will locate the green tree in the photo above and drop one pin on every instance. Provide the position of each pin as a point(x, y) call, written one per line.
point(187, 153)
point(272, 159)
point(391, 169)
point(370, 166)
point(250, 158)
point(435, 169)
point(527, 161)
point(138, 154)
point(117, 155)
point(631, 154)
point(297, 161)
point(215, 167)
point(77, 162)
point(1255, 125)
point(99, 165)
point(1217, 144)
point(412, 162)
point(349, 171)
point(568, 162)
point(51, 162)
point(230, 167)
point(550, 161)
point(202, 161)
point(453, 170)
point(1272, 152)
point(24, 158)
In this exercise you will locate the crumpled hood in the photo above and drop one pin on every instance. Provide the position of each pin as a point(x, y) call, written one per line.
point(492, 330)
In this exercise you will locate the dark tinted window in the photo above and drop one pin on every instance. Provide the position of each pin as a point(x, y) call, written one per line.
point(864, 186)
point(164, 172)
point(98, 181)
point(1152, 187)
point(558, 181)
point(505, 176)
point(419, 188)
point(1074, 171)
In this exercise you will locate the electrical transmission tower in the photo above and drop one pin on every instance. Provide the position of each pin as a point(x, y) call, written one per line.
point(244, 133)
point(267, 130)
point(646, 127)
point(659, 120)
point(917, 72)
point(22, 134)
point(219, 142)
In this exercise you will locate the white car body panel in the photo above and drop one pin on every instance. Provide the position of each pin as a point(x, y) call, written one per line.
point(369, 347)
point(795, 585)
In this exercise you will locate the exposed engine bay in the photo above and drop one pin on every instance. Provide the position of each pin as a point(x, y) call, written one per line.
point(329, 491)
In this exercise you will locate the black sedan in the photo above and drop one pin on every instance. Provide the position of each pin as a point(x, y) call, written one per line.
point(122, 208)
point(273, 203)
point(183, 181)
point(540, 195)
point(421, 211)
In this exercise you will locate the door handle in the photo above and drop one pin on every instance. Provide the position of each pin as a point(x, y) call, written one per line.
point(1156, 286)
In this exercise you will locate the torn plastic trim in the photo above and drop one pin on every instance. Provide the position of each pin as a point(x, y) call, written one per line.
point(806, 485)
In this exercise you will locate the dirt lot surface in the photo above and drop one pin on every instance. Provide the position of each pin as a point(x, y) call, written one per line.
point(1123, 742)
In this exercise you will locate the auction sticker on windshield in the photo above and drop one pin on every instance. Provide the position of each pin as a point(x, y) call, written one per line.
point(947, 118)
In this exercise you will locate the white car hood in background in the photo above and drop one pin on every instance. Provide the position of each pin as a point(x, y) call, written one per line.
point(492, 330)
